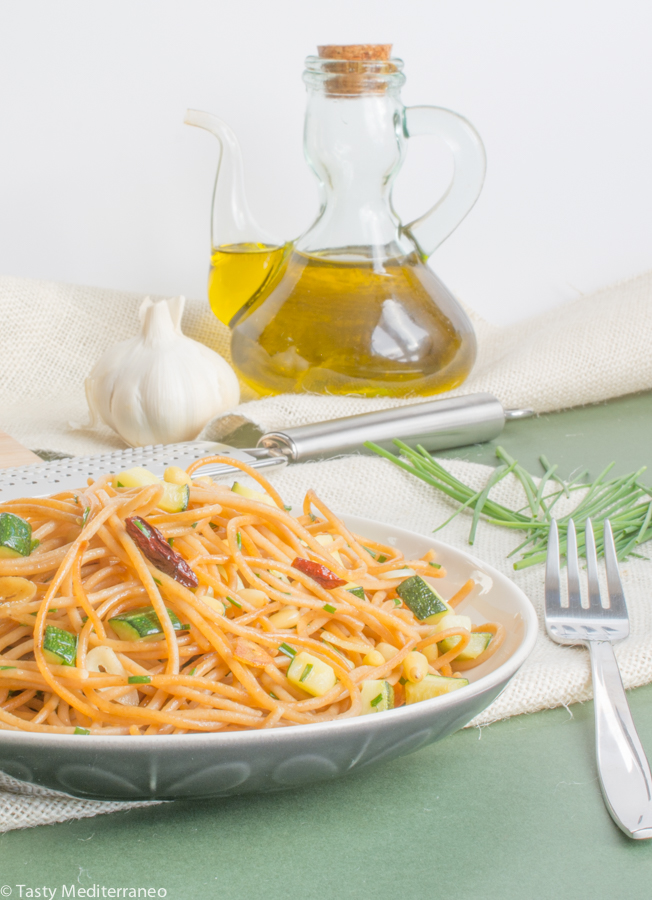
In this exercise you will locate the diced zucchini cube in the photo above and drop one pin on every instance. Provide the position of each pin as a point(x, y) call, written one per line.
point(478, 644)
point(325, 540)
point(437, 617)
point(311, 674)
point(59, 646)
point(142, 624)
point(377, 695)
point(175, 497)
point(393, 574)
point(450, 620)
point(15, 536)
point(423, 600)
point(250, 494)
point(136, 477)
point(432, 686)
point(280, 575)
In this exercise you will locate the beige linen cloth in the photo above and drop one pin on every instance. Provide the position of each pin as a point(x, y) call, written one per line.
point(585, 351)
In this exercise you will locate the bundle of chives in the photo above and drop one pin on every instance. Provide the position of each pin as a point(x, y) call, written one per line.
point(624, 501)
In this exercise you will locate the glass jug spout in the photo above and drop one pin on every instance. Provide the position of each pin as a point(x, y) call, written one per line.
point(244, 257)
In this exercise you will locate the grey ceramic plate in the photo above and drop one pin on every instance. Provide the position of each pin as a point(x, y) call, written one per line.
point(211, 765)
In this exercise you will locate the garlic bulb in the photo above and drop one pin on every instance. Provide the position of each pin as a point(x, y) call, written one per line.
point(160, 387)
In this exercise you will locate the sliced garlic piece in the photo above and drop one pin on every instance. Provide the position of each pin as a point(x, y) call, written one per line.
point(104, 658)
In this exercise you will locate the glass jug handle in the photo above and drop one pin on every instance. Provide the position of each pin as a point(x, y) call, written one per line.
point(434, 226)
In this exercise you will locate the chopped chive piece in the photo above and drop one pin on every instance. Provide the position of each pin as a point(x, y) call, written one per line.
point(287, 650)
point(328, 608)
point(376, 700)
point(308, 669)
point(371, 552)
point(139, 525)
point(87, 513)
point(192, 671)
point(81, 731)
point(287, 509)
point(3, 668)
point(119, 484)
point(434, 565)
point(381, 559)
point(77, 500)
point(195, 524)
point(234, 602)
point(139, 679)
point(238, 540)
point(273, 695)
point(171, 542)
point(157, 581)
point(397, 602)
point(402, 681)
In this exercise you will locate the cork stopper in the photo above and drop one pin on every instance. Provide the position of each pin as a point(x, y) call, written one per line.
point(356, 68)
point(355, 51)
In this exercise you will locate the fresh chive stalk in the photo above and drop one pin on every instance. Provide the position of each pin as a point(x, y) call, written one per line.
point(625, 501)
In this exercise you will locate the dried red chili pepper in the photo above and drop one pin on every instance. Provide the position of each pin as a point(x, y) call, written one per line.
point(318, 573)
point(157, 550)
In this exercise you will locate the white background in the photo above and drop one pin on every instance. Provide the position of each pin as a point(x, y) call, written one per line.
point(102, 184)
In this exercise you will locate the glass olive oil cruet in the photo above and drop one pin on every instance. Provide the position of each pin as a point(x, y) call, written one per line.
point(350, 307)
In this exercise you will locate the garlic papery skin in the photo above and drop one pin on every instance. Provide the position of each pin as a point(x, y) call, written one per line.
point(160, 387)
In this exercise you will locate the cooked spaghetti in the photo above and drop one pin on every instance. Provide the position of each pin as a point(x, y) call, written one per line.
point(119, 616)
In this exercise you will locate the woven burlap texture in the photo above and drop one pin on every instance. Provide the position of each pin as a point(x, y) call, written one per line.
point(585, 351)
point(594, 348)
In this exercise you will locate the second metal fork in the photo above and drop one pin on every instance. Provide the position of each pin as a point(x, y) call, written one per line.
point(624, 772)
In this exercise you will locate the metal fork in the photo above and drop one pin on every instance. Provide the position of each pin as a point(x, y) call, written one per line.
point(624, 772)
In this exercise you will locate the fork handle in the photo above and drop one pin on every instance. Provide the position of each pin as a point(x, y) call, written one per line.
point(624, 772)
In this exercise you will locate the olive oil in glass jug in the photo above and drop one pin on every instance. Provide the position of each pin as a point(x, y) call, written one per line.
point(350, 307)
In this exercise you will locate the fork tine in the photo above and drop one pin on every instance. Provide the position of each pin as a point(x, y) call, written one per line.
point(617, 603)
point(573, 569)
point(553, 595)
point(595, 601)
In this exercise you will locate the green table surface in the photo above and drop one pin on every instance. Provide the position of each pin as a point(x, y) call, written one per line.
point(511, 811)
